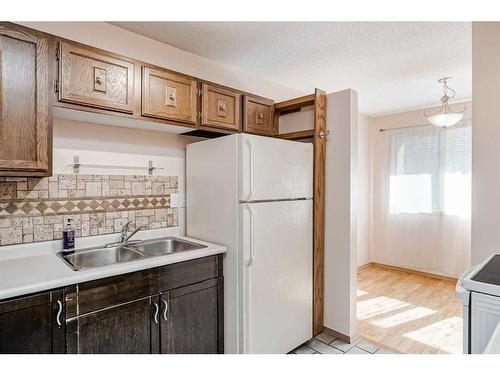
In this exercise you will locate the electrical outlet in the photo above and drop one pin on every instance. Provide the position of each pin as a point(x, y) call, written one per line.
point(178, 200)
point(182, 199)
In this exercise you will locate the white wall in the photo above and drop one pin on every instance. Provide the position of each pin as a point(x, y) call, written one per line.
point(364, 189)
point(297, 121)
point(112, 146)
point(112, 38)
point(341, 198)
point(485, 140)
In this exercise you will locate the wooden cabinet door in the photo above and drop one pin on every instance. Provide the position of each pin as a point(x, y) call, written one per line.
point(258, 116)
point(221, 108)
point(169, 96)
point(33, 324)
point(124, 329)
point(95, 78)
point(25, 145)
point(192, 319)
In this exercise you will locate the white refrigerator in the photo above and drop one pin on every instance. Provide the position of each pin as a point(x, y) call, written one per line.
point(253, 195)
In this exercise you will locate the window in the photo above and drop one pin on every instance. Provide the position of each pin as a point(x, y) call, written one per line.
point(430, 170)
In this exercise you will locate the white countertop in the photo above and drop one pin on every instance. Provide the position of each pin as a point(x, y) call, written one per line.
point(42, 270)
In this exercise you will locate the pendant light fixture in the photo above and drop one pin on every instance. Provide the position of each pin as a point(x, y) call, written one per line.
point(445, 116)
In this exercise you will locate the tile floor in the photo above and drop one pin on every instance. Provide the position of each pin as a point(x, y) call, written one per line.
point(327, 344)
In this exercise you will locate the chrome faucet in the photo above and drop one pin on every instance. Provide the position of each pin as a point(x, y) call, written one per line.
point(124, 238)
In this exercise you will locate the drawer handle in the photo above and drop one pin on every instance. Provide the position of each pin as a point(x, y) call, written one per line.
point(165, 311)
point(156, 312)
point(58, 317)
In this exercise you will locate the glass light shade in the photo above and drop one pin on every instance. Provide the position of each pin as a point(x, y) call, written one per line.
point(445, 119)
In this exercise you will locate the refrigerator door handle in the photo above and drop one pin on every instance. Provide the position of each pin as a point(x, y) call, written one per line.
point(252, 171)
point(252, 236)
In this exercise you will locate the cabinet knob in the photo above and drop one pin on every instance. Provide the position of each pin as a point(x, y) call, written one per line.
point(260, 116)
point(98, 80)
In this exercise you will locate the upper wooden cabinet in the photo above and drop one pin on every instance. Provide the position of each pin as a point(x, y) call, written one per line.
point(95, 78)
point(25, 114)
point(169, 96)
point(258, 115)
point(221, 107)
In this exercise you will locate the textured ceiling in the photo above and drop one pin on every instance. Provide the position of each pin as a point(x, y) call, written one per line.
point(393, 65)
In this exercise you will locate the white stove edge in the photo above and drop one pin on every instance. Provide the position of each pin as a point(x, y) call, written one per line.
point(476, 286)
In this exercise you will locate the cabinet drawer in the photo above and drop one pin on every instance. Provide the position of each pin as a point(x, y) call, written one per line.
point(258, 116)
point(96, 79)
point(190, 272)
point(168, 95)
point(98, 294)
point(221, 108)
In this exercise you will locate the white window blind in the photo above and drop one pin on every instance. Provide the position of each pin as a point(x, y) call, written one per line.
point(430, 170)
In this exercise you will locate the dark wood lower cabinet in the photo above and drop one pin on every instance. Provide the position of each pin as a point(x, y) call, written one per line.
point(176, 308)
point(33, 324)
point(124, 329)
point(190, 319)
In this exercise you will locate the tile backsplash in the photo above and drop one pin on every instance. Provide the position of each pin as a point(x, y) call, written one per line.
point(35, 209)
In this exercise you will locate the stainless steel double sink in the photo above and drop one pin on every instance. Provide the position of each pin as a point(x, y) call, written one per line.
point(105, 256)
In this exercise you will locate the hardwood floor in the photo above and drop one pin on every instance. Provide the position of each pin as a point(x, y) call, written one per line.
point(407, 312)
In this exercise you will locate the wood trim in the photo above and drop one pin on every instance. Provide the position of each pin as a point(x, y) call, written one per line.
point(296, 103)
point(303, 134)
point(364, 266)
point(337, 334)
point(319, 210)
point(415, 272)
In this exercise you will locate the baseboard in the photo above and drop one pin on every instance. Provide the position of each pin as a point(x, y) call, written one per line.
point(339, 335)
point(369, 264)
point(408, 270)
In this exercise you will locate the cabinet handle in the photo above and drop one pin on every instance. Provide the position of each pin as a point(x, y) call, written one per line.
point(58, 317)
point(156, 312)
point(260, 116)
point(98, 80)
point(165, 311)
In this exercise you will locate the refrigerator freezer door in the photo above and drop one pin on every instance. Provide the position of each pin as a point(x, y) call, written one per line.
point(274, 169)
point(277, 273)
